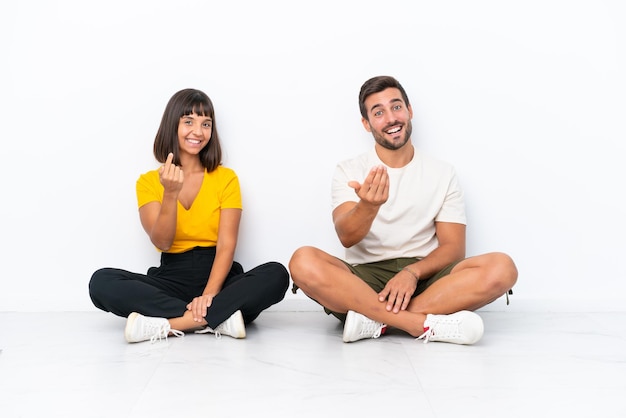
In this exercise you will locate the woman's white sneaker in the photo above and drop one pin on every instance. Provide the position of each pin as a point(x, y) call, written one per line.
point(143, 328)
point(463, 327)
point(233, 327)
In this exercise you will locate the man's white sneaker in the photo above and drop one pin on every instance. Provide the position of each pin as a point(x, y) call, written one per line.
point(143, 328)
point(233, 327)
point(358, 327)
point(463, 327)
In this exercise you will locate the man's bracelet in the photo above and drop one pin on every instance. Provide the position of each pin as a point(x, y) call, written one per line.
point(417, 278)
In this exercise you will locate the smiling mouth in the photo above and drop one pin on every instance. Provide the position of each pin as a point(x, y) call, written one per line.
point(194, 141)
point(393, 130)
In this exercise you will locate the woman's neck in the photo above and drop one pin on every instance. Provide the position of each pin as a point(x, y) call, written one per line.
point(191, 163)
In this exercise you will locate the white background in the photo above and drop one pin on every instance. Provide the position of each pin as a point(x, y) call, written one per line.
point(525, 98)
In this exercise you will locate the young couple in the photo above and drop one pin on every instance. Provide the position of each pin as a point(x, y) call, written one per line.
point(399, 214)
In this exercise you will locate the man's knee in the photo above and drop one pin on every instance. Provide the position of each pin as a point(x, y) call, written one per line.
point(502, 272)
point(301, 261)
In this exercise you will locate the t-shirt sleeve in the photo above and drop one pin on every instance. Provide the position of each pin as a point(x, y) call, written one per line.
point(341, 192)
point(149, 188)
point(231, 195)
point(453, 208)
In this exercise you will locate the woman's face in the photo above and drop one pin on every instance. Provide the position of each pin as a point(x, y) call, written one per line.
point(194, 133)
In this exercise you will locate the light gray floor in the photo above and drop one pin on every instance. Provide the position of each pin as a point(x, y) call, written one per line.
point(294, 364)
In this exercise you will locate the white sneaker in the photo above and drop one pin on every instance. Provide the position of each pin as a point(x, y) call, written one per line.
point(143, 328)
point(233, 327)
point(358, 327)
point(463, 327)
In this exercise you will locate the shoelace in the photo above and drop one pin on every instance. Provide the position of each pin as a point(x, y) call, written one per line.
point(207, 330)
point(445, 329)
point(163, 331)
point(426, 335)
point(373, 328)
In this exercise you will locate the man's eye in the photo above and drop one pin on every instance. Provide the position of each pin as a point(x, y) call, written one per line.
point(397, 107)
point(378, 113)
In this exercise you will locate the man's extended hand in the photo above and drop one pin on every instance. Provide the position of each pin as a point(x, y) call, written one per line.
point(375, 187)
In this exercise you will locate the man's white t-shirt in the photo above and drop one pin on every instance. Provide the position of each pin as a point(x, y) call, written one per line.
point(421, 193)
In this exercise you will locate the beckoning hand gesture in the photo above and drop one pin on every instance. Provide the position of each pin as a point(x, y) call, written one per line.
point(375, 187)
point(171, 176)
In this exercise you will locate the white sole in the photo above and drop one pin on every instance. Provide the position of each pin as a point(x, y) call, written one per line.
point(129, 325)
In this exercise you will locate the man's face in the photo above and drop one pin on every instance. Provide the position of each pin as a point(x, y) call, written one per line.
point(389, 118)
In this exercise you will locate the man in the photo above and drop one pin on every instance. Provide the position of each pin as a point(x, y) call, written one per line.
point(401, 217)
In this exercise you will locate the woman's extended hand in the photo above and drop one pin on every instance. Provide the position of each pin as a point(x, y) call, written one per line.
point(171, 176)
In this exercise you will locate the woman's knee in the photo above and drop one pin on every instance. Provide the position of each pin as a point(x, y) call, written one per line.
point(272, 273)
point(272, 268)
point(101, 281)
point(279, 272)
point(99, 287)
point(98, 278)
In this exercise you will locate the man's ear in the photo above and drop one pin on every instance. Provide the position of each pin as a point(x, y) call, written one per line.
point(366, 124)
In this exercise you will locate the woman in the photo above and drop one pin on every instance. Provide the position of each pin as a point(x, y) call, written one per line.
point(191, 209)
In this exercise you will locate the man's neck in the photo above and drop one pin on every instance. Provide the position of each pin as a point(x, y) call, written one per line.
point(396, 158)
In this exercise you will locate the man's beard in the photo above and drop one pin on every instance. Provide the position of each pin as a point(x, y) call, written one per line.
point(380, 139)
